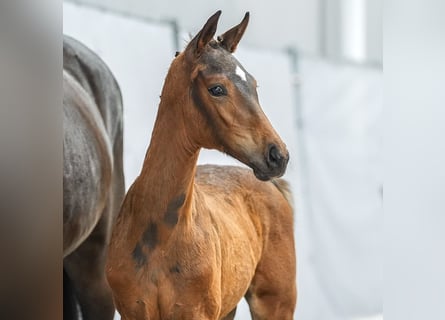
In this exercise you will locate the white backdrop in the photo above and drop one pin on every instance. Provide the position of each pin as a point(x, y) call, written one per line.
point(341, 192)
point(334, 166)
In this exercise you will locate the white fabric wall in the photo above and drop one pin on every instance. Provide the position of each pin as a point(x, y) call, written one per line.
point(334, 161)
point(272, 19)
point(138, 54)
point(341, 191)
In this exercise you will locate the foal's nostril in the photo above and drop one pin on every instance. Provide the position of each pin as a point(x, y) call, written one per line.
point(274, 158)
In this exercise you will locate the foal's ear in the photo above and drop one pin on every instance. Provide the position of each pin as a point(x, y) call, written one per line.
point(231, 38)
point(205, 35)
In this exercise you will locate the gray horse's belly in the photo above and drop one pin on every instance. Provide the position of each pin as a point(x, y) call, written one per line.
point(86, 171)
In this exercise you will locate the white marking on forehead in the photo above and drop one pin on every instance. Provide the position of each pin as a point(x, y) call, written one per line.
point(240, 73)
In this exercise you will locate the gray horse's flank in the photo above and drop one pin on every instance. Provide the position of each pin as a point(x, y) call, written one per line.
point(93, 179)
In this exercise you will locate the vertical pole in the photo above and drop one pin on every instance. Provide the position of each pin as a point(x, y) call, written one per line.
point(300, 124)
point(175, 33)
point(322, 18)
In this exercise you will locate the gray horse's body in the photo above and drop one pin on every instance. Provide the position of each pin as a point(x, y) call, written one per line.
point(93, 180)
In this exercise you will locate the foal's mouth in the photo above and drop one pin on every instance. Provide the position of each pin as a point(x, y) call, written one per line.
point(266, 175)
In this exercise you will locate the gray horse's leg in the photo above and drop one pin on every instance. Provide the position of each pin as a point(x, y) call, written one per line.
point(70, 305)
point(86, 268)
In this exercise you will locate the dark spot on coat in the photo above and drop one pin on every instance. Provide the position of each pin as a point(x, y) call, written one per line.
point(139, 256)
point(171, 214)
point(175, 269)
point(228, 200)
point(150, 236)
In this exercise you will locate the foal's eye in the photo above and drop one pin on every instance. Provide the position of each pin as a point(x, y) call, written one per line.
point(218, 90)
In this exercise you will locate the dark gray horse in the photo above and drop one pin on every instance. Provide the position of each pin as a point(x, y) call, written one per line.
point(93, 180)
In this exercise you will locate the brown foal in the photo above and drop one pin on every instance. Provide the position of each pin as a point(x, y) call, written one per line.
point(191, 241)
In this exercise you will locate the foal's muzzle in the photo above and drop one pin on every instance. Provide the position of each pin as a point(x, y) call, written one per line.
point(274, 163)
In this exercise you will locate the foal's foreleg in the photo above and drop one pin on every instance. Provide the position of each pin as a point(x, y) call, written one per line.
point(231, 315)
point(268, 301)
point(272, 293)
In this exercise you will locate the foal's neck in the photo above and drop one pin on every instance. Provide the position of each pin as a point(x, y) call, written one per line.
point(167, 176)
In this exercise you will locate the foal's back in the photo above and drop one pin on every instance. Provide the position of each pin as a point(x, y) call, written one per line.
point(248, 198)
point(253, 221)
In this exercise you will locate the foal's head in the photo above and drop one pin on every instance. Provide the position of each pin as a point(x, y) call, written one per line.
point(222, 110)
